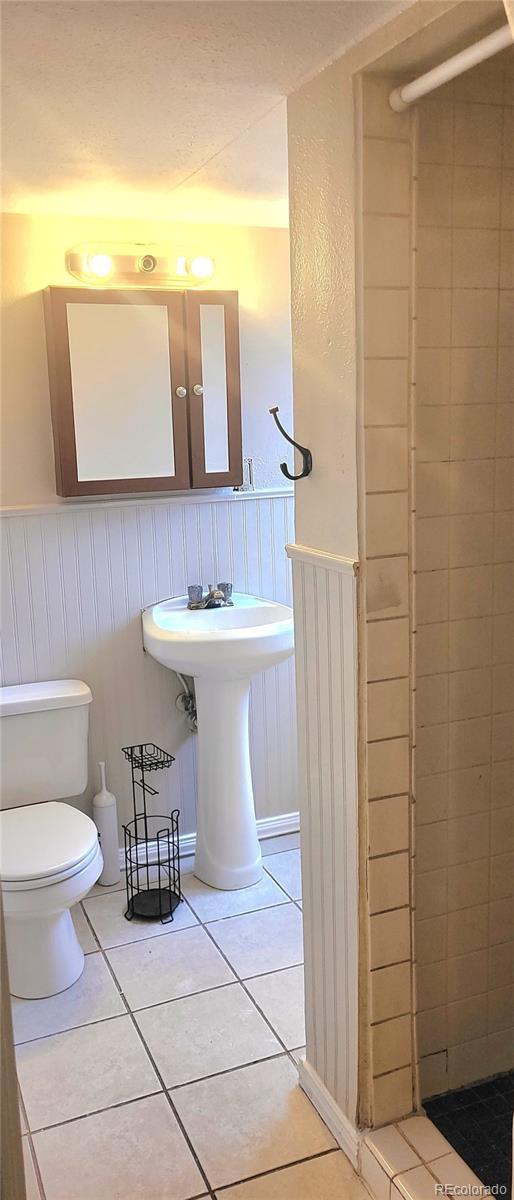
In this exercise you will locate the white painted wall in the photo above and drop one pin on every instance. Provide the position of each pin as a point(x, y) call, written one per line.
point(254, 262)
point(73, 586)
point(76, 574)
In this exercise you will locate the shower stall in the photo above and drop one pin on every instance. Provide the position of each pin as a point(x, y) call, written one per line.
point(420, 209)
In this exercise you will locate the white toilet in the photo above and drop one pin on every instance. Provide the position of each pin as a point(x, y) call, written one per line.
point(49, 852)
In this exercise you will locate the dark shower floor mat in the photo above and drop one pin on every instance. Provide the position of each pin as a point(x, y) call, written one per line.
point(477, 1121)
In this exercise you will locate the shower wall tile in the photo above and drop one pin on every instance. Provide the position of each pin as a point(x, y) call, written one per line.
point(455, 563)
point(386, 391)
point(432, 376)
point(386, 323)
point(434, 317)
point(476, 197)
point(386, 459)
point(435, 195)
point(478, 135)
point(436, 132)
point(464, 586)
point(387, 523)
point(379, 120)
point(507, 200)
point(387, 251)
point(388, 709)
point(386, 176)
point(475, 318)
point(388, 649)
point(473, 374)
point(476, 258)
point(388, 825)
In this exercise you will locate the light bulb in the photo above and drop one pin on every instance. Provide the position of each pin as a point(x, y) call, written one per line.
point(202, 267)
point(100, 265)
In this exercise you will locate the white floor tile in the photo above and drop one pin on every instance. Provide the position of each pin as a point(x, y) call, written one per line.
point(92, 998)
point(299, 1054)
point(250, 1120)
point(31, 1181)
point(286, 869)
point(135, 1152)
point(74, 1073)
point(209, 904)
point(330, 1177)
point(281, 998)
point(83, 931)
point(283, 841)
point(106, 914)
point(162, 969)
point(100, 890)
point(204, 1034)
point(261, 941)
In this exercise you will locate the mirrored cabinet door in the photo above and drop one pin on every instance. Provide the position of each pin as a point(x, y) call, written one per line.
point(118, 384)
point(212, 350)
point(144, 389)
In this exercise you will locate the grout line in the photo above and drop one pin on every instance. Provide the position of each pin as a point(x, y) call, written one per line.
point(284, 1051)
point(282, 1167)
point(35, 1164)
point(161, 1080)
point(95, 1112)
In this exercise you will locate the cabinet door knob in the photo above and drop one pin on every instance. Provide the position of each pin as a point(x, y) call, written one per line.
point(198, 389)
point(181, 392)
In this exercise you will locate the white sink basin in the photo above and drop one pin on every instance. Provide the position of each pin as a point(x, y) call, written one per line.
point(229, 643)
point(222, 648)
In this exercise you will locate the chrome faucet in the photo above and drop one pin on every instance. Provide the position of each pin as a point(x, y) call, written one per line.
point(216, 597)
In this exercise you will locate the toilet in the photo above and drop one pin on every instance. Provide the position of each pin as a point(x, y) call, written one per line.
point(49, 851)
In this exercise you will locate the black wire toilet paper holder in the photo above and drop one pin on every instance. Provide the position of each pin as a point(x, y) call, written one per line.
point(152, 858)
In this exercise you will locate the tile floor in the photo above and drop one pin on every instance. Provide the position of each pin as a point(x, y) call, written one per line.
point(169, 1069)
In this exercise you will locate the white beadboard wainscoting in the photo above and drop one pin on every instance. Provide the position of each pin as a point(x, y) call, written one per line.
point(74, 580)
point(325, 596)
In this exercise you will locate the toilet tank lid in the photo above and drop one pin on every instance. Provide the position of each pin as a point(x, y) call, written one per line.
point(35, 697)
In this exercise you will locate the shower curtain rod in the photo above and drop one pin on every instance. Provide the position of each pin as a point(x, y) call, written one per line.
point(401, 97)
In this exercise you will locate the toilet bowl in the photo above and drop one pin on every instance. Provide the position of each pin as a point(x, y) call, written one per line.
point(49, 859)
point(50, 856)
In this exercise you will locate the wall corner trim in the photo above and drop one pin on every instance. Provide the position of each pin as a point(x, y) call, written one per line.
point(346, 1134)
point(321, 558)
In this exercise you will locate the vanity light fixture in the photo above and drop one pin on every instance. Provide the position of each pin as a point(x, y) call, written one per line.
point(128, 263)
point(99, 265)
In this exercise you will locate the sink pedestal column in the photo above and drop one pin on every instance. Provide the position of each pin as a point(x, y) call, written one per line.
point(228, 854)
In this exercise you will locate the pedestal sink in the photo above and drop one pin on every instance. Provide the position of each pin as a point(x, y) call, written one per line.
point(222, 648)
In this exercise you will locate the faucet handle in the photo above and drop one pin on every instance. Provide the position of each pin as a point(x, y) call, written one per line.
point(194, 593)
point(226, 588)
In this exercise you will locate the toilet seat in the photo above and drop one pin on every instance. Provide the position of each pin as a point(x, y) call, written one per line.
point(44, 844)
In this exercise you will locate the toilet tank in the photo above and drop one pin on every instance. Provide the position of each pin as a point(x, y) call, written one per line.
point(43, 734)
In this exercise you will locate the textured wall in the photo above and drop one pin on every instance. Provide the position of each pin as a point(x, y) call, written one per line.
point(255, 262)
point(74, 583)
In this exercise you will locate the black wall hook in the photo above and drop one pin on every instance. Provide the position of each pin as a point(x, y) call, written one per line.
point(306, 454)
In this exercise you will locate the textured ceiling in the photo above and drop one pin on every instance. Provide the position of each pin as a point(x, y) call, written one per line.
point(162, 109)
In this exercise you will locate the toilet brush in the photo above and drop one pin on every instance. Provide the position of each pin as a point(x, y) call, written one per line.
point(106, 821)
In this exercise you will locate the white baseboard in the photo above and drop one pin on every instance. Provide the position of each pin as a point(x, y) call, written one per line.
point(266, 827)
point(346, 1135)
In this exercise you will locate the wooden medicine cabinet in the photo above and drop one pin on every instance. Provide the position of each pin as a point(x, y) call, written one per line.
point(145, 390)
